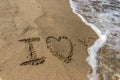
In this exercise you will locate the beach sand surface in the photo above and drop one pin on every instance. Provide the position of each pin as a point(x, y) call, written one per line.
point(61, 33)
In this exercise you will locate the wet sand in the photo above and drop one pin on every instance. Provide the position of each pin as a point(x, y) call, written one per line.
point(62, 34)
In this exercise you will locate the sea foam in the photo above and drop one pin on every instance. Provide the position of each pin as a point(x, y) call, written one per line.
point(92, 60)
point(103, 16)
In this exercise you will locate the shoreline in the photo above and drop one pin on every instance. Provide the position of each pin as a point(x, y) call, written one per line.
point(93, 49)
point(53, 18)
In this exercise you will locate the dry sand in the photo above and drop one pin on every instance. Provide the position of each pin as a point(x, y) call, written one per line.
point(21, 19)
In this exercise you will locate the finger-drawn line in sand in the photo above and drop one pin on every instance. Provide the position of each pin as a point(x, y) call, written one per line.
point(0, 69)
point(34, 60)
point(66, 59)
point(86, 41)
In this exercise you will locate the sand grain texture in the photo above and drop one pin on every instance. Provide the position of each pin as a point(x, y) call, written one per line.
point(21, 19)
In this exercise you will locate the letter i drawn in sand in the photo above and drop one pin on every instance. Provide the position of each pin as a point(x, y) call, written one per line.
point(34, 60)
point(0, 69)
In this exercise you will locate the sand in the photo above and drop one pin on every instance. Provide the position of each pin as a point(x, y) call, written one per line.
point(60, 31)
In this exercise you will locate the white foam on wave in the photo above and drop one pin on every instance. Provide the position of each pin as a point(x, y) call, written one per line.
point(92, 59)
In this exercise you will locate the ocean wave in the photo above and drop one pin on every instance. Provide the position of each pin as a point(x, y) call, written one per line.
point(103, 16)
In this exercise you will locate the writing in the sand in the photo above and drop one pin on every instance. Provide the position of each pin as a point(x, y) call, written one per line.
point(34, 60)
point(0, 69)
point(65, 58)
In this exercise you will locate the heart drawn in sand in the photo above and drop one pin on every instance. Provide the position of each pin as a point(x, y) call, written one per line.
point(60, 47)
